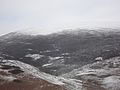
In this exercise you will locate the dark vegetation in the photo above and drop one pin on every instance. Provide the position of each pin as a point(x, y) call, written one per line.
point(9, 67)
point(12, 69)
point(82, 45)
point(16, 71)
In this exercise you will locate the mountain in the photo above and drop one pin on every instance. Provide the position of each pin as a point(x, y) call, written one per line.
point(100, 75)
point(63, 53)
point(15, 75)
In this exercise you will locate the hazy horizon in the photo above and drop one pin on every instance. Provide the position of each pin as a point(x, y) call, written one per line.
point(49, 16)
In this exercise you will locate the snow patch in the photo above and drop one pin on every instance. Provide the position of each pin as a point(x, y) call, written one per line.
point(34, 56)
point(29, 49)
point(65, 54)
point(47, 64)
point(46, 51)
point(8, 78)
point(55, 58)
point(112, 83)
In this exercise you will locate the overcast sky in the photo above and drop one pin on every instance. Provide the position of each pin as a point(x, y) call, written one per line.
point(52, 15)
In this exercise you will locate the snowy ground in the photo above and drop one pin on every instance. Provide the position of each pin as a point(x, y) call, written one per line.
point(70, 84)
point(101, 75)
point(104, 74)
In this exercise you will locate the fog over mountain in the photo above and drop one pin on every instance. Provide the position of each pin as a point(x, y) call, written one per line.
point(79, 59)
point(54, 15)
point(59, 44)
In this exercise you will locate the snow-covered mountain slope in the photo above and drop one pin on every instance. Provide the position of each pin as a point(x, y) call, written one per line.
point(47, 52)
point(67, 58)
point(15, 75)
point(16, 71)
point(28, 69)
point(101, 75)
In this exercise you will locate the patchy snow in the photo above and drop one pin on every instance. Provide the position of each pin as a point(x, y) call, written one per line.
point(65, 54)
point(107, 77)
point(29, 49)
point(46, 51)
point(34, 56)
point(5, 71)
point(57, 50)
point(8, 78)
point(49, 51)
point(70, 84)
point(28, 69)
point(112, 83)
point(62, 60)
point(55, 58)
point(99, 58)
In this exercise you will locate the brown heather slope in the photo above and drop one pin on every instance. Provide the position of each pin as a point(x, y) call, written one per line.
point(28, 83)
point(23, 81)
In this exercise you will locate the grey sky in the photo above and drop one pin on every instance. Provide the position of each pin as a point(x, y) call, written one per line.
point(53, 15)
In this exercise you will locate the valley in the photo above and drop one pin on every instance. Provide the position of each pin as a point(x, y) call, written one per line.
point(68, 60)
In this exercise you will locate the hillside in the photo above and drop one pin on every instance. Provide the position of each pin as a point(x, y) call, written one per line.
point(15, 75)
point(61, 52)
point(100, 75)
point(79, 59)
